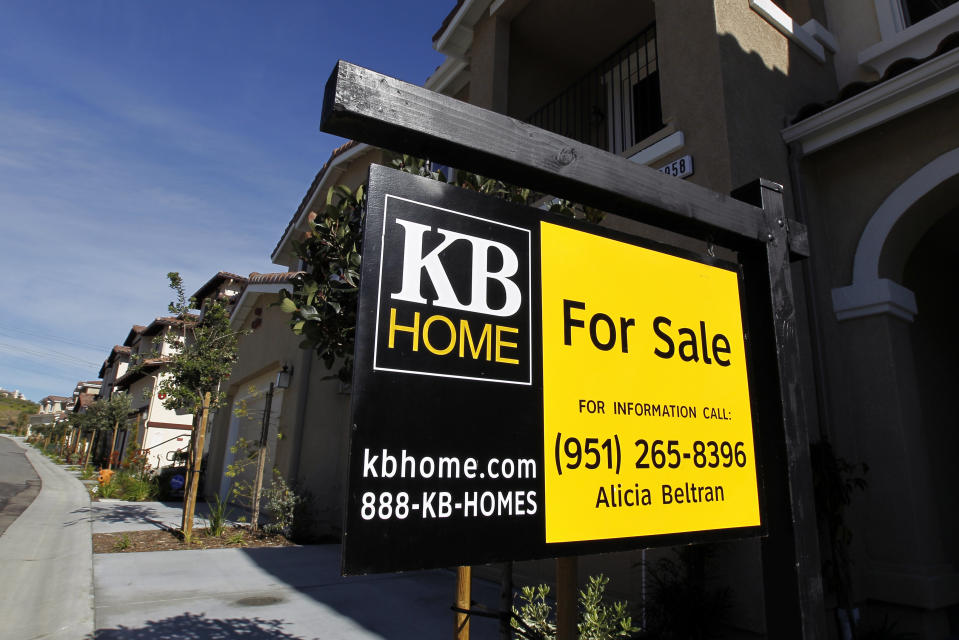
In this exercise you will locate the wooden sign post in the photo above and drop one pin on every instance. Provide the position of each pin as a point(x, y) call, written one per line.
point(386, 112)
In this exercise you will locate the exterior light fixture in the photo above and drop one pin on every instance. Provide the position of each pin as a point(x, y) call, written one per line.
point(284, 376)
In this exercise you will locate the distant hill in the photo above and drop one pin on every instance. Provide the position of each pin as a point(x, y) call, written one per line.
point(10, 409)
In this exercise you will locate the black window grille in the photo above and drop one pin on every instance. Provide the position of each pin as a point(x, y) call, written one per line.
point(616, 104)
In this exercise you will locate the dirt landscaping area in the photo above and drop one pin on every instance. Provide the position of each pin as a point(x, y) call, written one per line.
point(171, 540)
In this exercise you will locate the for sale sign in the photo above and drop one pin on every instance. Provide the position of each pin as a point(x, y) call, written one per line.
point(528, 388)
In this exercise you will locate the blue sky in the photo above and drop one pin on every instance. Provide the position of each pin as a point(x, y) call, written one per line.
point(138, 138)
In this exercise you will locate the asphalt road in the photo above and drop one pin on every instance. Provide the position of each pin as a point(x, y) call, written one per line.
point(19, 482)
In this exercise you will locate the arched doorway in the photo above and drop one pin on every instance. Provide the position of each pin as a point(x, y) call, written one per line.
point(931, 272)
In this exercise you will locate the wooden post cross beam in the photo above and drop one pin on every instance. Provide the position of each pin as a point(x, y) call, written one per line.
point(379, 110)
point(386, 112)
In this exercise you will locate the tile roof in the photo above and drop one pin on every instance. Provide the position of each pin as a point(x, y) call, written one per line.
point(84, 400)
point(272, 278)
point(167, 321)
point(136, 330)
point(135, 373)
point(117, 350)
point(898, 67)
point(313, 186)
point(214, 282)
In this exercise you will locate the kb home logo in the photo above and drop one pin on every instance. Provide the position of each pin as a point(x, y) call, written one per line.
point(454, 295)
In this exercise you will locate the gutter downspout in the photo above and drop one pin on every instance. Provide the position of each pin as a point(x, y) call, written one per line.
point(306, 369)
point(794, 156)
point(847, 615)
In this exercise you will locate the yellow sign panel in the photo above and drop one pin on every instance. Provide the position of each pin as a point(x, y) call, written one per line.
point(647, 422)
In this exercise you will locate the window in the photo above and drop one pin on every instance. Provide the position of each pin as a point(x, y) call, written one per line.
point(634, 110)
point(915, 10)
point(615, 105)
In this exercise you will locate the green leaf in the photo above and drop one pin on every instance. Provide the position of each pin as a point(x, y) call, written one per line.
point(287, 305)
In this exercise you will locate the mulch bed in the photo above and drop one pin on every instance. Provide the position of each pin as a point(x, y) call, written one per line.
point(170, 540)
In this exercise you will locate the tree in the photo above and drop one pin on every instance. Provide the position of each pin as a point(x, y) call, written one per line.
point(114, 414)
point(98, 417)
point(23, 421)
point(322, 303)
point(204, 354)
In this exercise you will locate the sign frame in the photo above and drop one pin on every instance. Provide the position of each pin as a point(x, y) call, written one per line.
point(369, 410)
point(383, 111)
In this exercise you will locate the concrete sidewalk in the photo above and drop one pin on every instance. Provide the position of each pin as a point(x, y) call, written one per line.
point(50, 577)
point(113, 516)
point(46, 589)
point(288, 592)
point(285, 592)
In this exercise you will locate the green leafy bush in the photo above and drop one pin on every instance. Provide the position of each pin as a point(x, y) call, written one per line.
point(322, 304)
point(216, 521)
point(108, 490)
point(137, 487)
point(534, 618)
point(281, 501)
point(122, 544)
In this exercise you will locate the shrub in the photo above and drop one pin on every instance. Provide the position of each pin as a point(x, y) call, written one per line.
point(137, 488)
point(534, 619)
point(281, 500)
point(216, 521)
point(109, 489)
point(682, 603)
point(122, 544)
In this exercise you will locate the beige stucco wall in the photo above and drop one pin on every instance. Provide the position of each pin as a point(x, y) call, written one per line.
point(309, 421)
point(854, 24)
point(905, 531)
point(767, 79)
point(872, 165)
point(260, 355)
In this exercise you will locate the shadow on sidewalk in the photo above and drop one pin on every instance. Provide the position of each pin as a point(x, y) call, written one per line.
point(193, 626)
point(414, 605)
point(116, 514)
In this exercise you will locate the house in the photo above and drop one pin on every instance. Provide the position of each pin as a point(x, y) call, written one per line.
point(15, 394)
point(55, 404)
point(306, 430)
point(113, 368)
point(160, 432)
point(52, 409)
point(851, 105)
point(84, 395)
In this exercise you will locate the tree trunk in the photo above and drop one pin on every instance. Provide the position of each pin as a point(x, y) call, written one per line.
point(261, 460)
point(193, 473)
point(113, 444)
point(93, 441)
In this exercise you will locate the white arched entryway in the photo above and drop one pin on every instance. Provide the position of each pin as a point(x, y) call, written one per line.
point(869, 294)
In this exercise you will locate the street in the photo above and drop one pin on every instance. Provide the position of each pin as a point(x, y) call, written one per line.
point(19, 483)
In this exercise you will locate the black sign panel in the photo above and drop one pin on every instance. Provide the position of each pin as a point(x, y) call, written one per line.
point(446, 409)
point(453, 295)
point(447, 462)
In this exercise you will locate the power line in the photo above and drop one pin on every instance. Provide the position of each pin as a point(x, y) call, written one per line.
point(60, 356)
point(50, 336)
